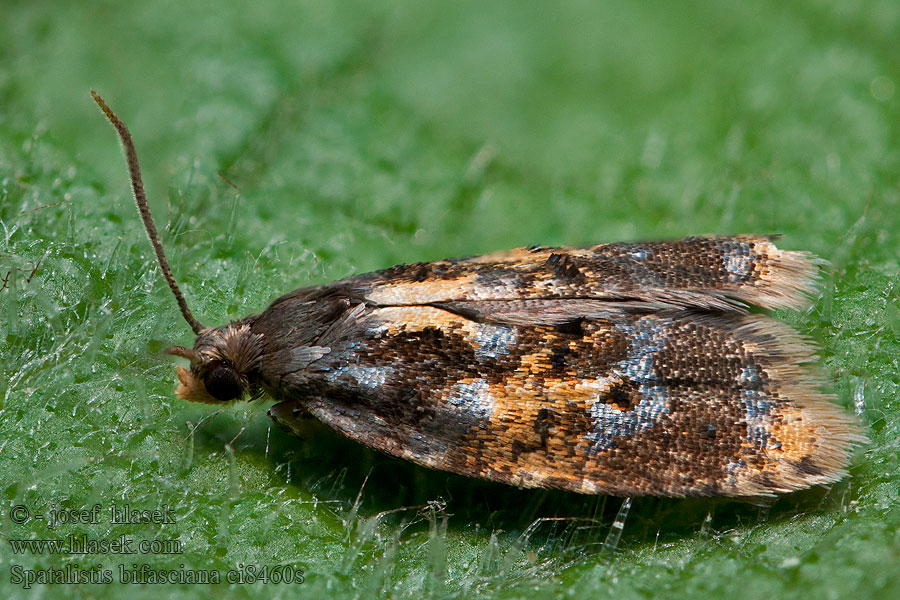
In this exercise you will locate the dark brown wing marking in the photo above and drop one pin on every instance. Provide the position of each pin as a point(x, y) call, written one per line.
point(700, 273)
point(668, 403)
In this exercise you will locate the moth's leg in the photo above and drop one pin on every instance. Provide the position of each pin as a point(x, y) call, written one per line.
point(291, 416)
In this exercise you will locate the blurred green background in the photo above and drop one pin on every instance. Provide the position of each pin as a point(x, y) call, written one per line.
point(358, 135)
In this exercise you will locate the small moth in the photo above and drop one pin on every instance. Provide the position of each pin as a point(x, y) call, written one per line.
point(625, 369)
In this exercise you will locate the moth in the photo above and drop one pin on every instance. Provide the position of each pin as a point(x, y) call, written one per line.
point(623, 369)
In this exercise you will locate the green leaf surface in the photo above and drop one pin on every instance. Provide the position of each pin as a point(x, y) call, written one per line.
point(288, 144)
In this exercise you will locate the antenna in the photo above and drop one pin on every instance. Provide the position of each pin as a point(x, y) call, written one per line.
point(137, 186)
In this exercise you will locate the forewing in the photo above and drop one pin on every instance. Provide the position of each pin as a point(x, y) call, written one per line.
point(667, 403)
point(720, 273)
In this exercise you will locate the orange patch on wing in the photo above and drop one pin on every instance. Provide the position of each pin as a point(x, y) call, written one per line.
point(411, 319)
point(396, 319)
point(524, 436)
point(424, 292)
point(799, 437)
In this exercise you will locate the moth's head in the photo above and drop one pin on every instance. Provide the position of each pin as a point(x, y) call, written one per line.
point(225, 360)
point(224, 365)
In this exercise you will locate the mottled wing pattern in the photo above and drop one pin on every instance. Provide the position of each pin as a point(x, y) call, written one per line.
point(701, 272)
point(620, 393)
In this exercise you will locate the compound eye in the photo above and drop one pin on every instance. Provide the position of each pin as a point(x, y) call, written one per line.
point(223, 383)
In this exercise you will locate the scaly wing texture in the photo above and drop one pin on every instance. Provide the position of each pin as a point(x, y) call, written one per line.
point(609, 396)
point(659, 404)
point(702, 272)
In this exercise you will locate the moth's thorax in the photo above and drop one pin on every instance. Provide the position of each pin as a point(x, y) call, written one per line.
point(224, 364)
